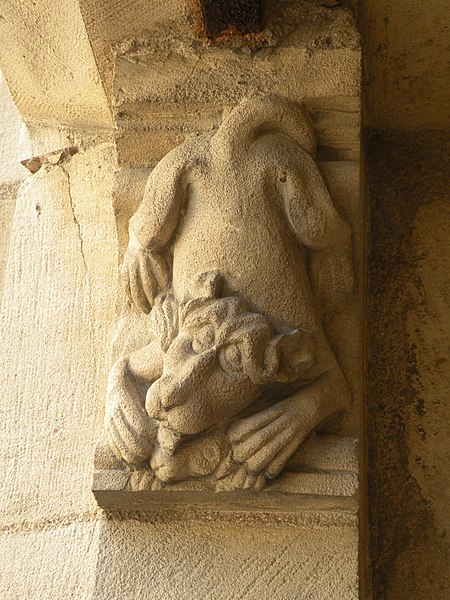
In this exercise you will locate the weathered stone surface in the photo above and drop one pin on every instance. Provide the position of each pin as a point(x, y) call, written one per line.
point(50, 560)
point(8, 194)
point(408, 376)
point(57, 308)
point(406, 64)
point(60, 60)
point(13, 136)
point(171, 86)
point(48, 62)
point(306, 557)
point(147, 132)
point(231, 370)
point(324, 466)
point(60, 297)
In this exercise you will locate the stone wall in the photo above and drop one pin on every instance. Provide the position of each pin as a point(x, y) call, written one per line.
point(58, 305)
point(105, 90)
point(121, 83)
point(407, 402)
point(407, 160)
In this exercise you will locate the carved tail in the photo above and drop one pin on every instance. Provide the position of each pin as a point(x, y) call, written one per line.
point(261, 115)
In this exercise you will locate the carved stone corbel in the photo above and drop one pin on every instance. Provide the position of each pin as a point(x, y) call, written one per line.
point(236, 253)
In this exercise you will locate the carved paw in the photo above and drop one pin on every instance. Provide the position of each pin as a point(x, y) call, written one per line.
point(197, 458)
point(144, 274)
point(240, 480)
point(131, 433)
point(141, 479)
point(263, 443)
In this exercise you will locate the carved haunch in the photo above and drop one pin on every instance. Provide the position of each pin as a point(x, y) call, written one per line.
point(235, 255)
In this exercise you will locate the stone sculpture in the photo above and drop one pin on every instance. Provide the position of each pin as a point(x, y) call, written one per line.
point(235, 255)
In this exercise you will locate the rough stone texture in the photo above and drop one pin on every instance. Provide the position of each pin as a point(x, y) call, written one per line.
point(8, 193)
point(406, 63)
point(405, 97)
point(408, 375)
point(57, 308)
point(171, 85)
point(232, 368)
point(58, 559)
point(58, 251)
point(324, 466)
point(342, 178)
point(13, 136)
point(110, 22)
point(48, 62)
point(255, 558)
point(60, 296)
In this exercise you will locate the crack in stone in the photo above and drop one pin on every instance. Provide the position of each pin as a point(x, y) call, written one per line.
point(72, 206)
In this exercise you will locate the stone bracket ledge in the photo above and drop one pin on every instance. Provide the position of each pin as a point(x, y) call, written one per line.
point(323, 477)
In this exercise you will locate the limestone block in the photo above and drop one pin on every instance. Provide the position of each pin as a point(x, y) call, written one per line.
point(337, 123)
point(147, 132)
point(310, 556)
point(408, 374)
point(13, 136)
point(407, 58)
point(49, 560)
point(48, 62)
point(110, 22)
point(324, 466)
point(8, 193)
point(429, 331)
point(12, 130)
point(171, 84)
point(57, 309)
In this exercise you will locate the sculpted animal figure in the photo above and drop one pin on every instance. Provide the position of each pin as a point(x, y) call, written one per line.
point(239, 250)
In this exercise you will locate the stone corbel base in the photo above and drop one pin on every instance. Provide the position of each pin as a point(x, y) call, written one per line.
point(322, 475)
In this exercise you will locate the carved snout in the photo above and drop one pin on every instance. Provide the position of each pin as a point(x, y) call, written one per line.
point(178, 384)
point(164, 394)
point(171, 392)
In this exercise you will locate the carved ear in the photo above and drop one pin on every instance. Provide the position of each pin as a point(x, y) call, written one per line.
point(295, 353)
point(287, 357)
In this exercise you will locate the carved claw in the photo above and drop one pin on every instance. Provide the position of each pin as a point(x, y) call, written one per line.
point(198, 458)
point(142, 479)
point(240, 480)
point(264, 442)
point(130, 433)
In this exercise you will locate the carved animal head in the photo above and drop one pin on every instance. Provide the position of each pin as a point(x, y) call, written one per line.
point(218, 355)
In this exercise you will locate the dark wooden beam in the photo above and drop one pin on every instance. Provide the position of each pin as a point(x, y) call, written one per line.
point(222, 16)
